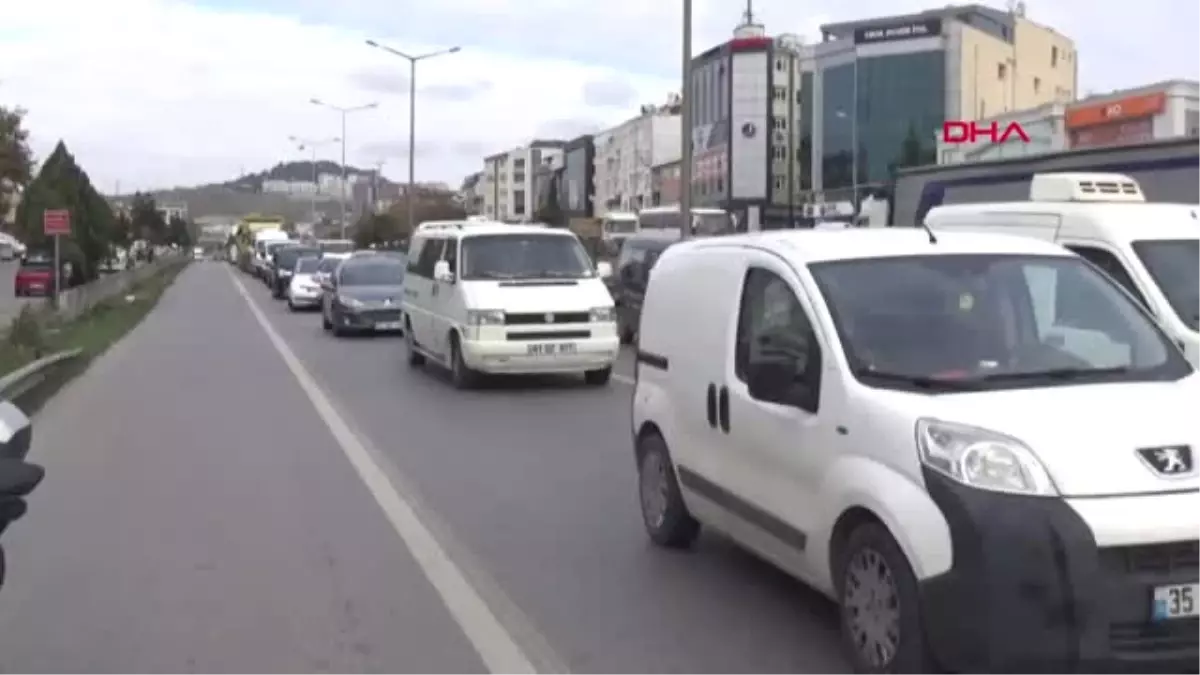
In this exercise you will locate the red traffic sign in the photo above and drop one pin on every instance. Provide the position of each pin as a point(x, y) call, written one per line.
point(56, 221)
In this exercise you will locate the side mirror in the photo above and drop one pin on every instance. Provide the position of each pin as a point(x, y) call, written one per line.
point(16, 432)
point(441, 272)
point(771, 380)
point(604, 269)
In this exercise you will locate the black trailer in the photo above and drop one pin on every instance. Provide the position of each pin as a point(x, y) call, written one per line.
point(1167, 171)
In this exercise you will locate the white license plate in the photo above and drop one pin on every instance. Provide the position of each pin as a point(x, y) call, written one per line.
point(550, 348)
point(1177, 601)
point(388, 325)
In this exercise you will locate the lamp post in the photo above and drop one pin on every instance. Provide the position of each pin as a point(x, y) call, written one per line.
point(685, 120)
point(413, 60)
point(305, 144)
point(344, 111)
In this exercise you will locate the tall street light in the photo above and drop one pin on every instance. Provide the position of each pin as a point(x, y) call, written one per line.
point(344, 111)
point(685, 120)
point(412, 115)
point(303, 144)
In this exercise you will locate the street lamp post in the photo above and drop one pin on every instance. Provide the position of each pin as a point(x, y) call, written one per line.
point(305, 144)
point(685, 120)
point(344, 111)
point(410, 198)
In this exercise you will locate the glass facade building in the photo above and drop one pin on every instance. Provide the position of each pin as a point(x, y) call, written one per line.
point(893, 104)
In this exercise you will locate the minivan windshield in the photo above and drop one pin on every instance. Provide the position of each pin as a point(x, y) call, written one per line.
point(307, 265)
point(969, 322)
point(374, 272)
point(524, 256)
point(1175, 266)
point(286, 258)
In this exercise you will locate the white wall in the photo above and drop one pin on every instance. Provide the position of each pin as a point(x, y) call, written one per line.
point(625, 155)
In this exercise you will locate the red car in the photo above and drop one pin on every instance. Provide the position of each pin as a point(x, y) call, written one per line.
point(35, 277)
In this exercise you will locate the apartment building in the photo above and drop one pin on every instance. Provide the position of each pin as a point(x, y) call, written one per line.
point(576, 197)
point(508, 184)
point(471, 194)
point(624, 156)
point(1157, 111)
point(875, 93)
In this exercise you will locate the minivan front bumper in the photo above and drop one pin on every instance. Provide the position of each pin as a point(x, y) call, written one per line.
point(1044, 585)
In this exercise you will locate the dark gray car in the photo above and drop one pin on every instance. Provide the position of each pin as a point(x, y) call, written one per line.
point(364, 295)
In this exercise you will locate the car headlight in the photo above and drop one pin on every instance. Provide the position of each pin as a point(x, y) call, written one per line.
point(485, 317)
point(348, 301)
point(602, 314)
point(982, 459)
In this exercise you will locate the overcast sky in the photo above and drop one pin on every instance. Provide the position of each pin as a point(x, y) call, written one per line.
point(154, 93)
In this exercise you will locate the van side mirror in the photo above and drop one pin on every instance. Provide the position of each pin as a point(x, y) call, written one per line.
point(604, 269)
point(16, 432)
point(441, 272)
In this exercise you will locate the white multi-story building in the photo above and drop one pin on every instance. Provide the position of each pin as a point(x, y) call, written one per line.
point(625, 155)
point(508, 186)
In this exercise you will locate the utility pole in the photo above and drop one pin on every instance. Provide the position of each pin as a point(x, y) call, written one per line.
point(685, 118)
point(411, 193)
point(345, 112)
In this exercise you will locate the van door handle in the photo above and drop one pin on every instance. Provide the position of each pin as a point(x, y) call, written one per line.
point(723, 408)
point(711, 406)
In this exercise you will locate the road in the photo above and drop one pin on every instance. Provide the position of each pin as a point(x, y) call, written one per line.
point(288, 501)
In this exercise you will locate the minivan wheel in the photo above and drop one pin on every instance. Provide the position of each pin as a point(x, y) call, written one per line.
point(415, 358)
point(626, 334)
point(598, 377)
point(880, 612)
point(664, 514)
point(460, 373)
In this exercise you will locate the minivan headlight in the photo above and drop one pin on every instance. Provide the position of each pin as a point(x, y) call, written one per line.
point(485, 317)
point(982, 459)
point(348, 301)
point(601, 315)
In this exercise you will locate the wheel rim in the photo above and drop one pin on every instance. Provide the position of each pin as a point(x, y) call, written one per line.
point(653, 489)
point(871, 608)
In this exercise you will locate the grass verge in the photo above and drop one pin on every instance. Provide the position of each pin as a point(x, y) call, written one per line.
point(92, 332)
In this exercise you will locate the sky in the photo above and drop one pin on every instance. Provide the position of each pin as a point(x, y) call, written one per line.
point(156, 93)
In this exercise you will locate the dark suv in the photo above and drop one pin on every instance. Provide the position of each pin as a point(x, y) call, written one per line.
point(283, 262)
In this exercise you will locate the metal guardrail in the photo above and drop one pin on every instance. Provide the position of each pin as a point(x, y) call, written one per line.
point(29, 386)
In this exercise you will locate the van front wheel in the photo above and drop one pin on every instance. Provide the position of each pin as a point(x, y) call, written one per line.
point(664, 514)
point(599, 377)
point(460, 373)
point(879, 606)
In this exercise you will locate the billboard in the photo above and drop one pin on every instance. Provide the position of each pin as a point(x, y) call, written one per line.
point(750, 128)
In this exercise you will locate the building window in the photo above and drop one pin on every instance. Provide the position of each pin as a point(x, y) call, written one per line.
point(1037, 85)
point(779, 152)
point(518, 163)
point(1001, 71)
point(780, 93)
point(778, 64)
point(779, 182)
point(519, 202)
point(799, 97)
point(779, 123)
point(1053, 56)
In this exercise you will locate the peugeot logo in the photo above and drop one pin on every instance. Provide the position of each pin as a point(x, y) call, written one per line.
point(1170, 461)
point(549, 318)
point(387, 301)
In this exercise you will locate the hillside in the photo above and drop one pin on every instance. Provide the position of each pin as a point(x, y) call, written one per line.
point(295, 171)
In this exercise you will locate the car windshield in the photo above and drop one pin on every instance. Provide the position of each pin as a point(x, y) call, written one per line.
point(524, 256)
point(286, 258)
point(376, 272)
point(37, 262)
point(307, 265)
point(337, 246)
point(1175, 266)
point(327, 265)
point(955, 322)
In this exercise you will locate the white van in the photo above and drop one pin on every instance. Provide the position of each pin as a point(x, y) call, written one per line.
point(264, 241)
point(879, 413)
point(485, 297)
point(1153, 250)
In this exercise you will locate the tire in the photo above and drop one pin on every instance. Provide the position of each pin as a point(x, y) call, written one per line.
point(415, 358)
point(664, 514)
point(460, 374)
point(292, 306)
point(625, 334)
point(871, 556)
point(598, 378)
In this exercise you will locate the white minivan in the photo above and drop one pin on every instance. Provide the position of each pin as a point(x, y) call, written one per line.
point(882, 414)
point(1151, 249)
point(491, 298)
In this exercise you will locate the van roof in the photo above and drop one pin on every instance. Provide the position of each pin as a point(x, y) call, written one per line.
point(810, 246)
point(1104, 221)
point(478, 227)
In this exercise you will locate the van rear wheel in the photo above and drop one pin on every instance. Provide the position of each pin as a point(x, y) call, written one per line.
point(878, 600)
point(599, 377)
point(664, 513)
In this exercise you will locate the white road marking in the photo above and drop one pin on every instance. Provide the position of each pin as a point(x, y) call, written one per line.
point(496, 647)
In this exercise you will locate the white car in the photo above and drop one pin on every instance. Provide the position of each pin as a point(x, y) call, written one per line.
point(483, 297)
point(887, 416)
point(304, 290)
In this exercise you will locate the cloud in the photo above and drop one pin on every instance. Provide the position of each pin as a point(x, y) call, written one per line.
point(218, 90)
point(609, 93)
point(391, 152)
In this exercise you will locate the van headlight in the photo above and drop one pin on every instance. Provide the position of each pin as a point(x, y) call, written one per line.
point(602, 315)
point(982, 459)
point(347, 301)
point(485, 317)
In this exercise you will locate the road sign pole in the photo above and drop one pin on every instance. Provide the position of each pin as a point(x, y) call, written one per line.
point(55, 223)
point(57, 271)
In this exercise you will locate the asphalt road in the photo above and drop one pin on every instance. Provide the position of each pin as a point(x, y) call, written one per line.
point(229, 532)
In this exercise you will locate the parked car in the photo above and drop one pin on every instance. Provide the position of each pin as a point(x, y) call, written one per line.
point(283, 263)
point(35, 277)
point(304, 291)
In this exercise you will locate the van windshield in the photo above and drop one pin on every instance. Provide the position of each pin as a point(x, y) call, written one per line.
point(970, 322)
point(1175, 266)
point(524, 256)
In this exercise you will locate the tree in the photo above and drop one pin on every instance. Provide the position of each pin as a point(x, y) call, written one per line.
point(61, 184)
point(178, 232)
point(376, 228)
point(16, 159)
point(913, 151)
point(148, 223)
point(289, 227)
